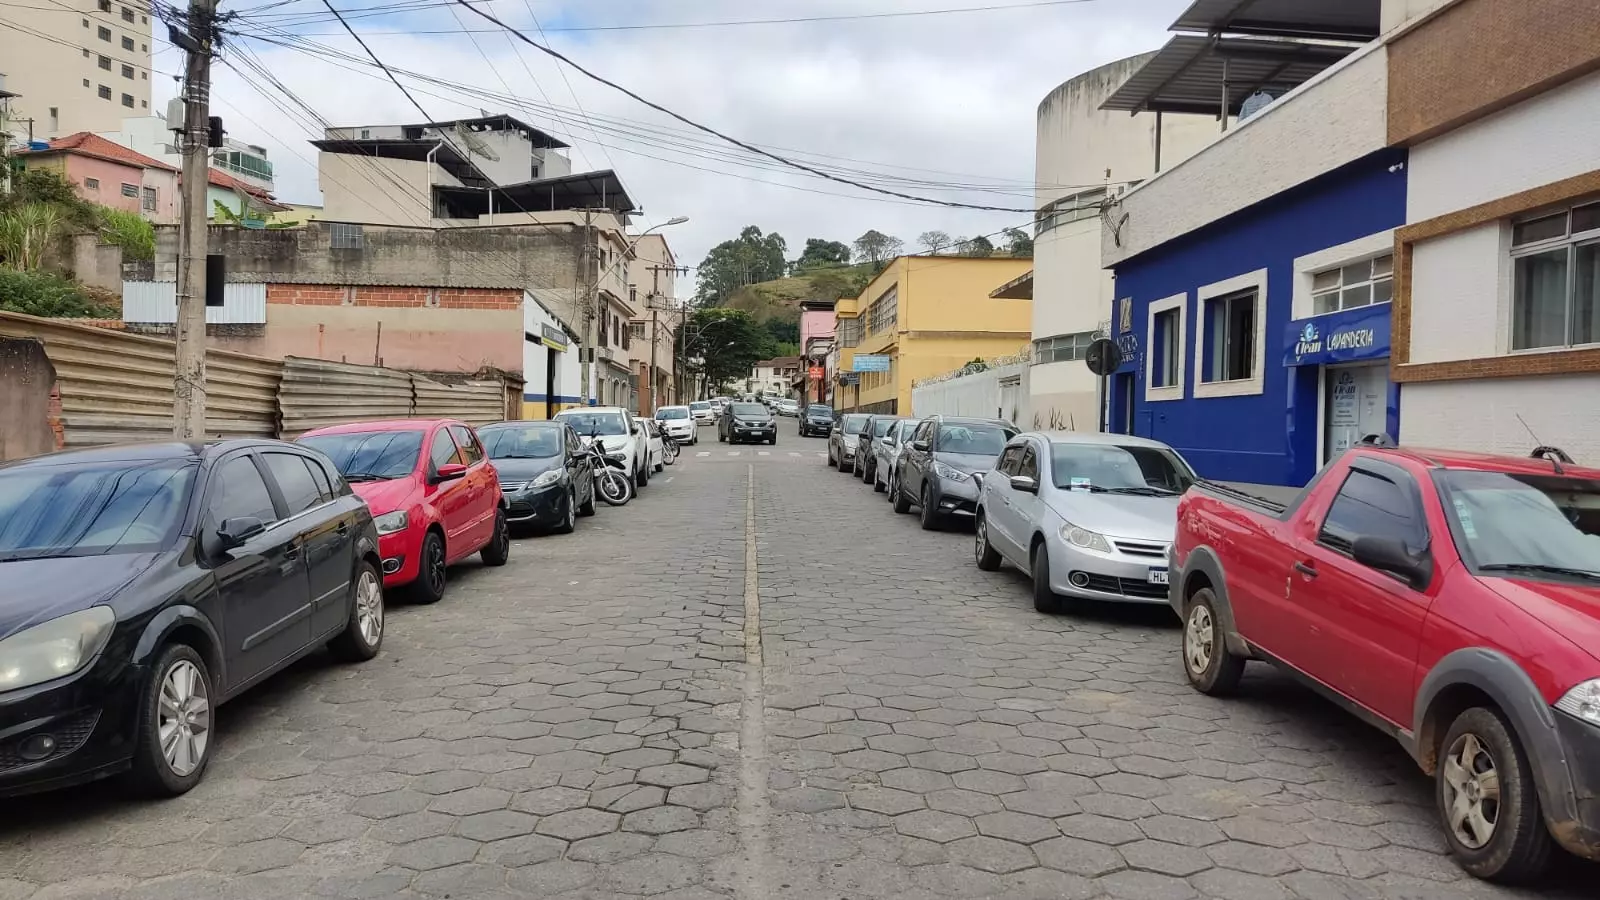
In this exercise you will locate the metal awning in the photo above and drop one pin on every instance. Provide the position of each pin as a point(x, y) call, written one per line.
point(1347, 20)
point(442, 153)
point(584, 190)
point(1018, 288)
point(1196, 74)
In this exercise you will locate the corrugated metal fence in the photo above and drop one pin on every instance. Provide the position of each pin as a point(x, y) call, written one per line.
point(157, 302)
point(315, 393)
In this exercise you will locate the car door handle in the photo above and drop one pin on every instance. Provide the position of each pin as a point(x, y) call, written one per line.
point(344, 529)
point(1305, 569)
point(291, 552)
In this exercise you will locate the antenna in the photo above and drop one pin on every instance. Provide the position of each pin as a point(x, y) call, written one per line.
point(475, 144)
point(1545, 451)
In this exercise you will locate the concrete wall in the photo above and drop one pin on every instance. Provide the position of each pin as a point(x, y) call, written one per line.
point(358, 188)
point(48, 68)
point(27, 383)
point(96, 264)
point(1483, 414)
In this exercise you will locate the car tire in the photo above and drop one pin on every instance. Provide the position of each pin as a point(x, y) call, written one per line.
point(363, 632)
point(901, 504)
point(877, 485)
point(641, 478)
point(569, 521)
point(772, 441)
point(720, 438)
point(983, 553)
point(1211, 667)
point(928, 515)
point(587, 509)
point(498, 551)
point(1517, 847)
point(180, 673)
point(1045, 600)
point(660, 467)
point(431, 571)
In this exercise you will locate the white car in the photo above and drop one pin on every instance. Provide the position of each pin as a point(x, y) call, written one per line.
point(619, 435)
point(787, 407)
point(702, 412)
point(658, 447)
point(678, 423)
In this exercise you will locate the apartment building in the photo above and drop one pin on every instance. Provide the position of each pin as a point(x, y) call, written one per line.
point(652, 289)
point(73, 65)
point(151, 135)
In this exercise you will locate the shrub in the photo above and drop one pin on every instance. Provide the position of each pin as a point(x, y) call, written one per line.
point(130, 231)
point(44, 294)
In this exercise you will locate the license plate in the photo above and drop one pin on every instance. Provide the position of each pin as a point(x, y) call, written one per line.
point(1158, 576)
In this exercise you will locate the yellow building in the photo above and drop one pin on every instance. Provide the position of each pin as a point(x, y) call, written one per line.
point(928, 315)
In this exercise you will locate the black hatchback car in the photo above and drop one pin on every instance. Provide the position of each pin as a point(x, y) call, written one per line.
point(143, 585)
point(747, 421)
point(816, 420)
point(546, 477)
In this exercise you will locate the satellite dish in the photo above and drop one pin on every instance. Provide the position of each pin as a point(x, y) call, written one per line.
point(1254, 104)
point(475, 144)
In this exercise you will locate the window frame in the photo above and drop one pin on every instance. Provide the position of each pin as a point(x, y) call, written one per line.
point(442, 432)
point(214, 487)
point(1030, 454)
point(1572, 242)
point(130, 190)
point(289, 512)
point(92, 184)
point(1403, 482)
point(149, 199)
point(1339, 289)
point(103, 91)
point(1075, 344)
point(1247, 282)
point(1179, 304)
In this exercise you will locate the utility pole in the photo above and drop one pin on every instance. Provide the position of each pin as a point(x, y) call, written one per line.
point(189, 386)
point(587, 360)
point(655, 335)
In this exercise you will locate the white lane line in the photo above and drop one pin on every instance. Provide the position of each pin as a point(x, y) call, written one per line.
point(733, 453)
point(793, 453)
point(668, 480)
point(703, 453)
point(762, 453)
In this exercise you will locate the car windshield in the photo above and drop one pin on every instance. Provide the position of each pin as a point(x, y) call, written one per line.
point(974, 440)
point(820, 412)
point(880, 427)
point(522, 441)
point(1117, 469)
point(370, 455)
point(1525, 524)
point(91, 509)
point(591, 423)
point(854, 423)
point(749, 409)
point(673, 412)
point(700, 404)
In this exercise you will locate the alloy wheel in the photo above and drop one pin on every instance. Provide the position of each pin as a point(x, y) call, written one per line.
point(435, 565)
point(369, 608)
point(1199, 640)
point(1472, 791)
point(980, 542)
point(184, 723)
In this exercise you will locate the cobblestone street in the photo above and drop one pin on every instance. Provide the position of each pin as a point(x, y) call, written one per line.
point(630, 711)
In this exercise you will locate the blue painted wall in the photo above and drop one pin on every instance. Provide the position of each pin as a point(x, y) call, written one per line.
point(1270, 438)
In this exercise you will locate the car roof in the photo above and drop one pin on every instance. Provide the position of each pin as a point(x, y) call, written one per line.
point(1469, 460)
point(1097, 437)
point(382, 425)
point(531, 423)
point(969, 420)
point(152, 451)
point(592, 409)
point(673, 406)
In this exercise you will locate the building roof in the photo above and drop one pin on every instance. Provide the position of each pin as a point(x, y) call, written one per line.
point(501, 122)
point(415, 150)
point(221, 179)
point(778, 362)
point(600, 189)
point(86, 143)
point(1018, 288)
point(1350, 20)
point(1192, 73)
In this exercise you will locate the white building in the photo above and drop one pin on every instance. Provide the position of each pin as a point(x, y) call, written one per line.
point(73, 65)
point(152, 136)
point(1497, 302)
point(1085, 157)
point(772, 377)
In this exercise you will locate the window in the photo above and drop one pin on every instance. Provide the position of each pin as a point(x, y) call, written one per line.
point(127, 71)
point(849, 332)
point(1230, 337)
point(1083, 205)
point(1556, 279)
point(471, 450)
point(1010, 460)
point(1029, 466)
point(443, 452)
point(1166, 353)
point(239, 493)
point(127, 100)
point(325, 482)
point(344, 237)
point(86, 82)
point(127, 43)
point(130, 190)
point(105, 62)
point(1358, 284)
point(625, 333)
point(127, 14)
point(603, 321)
point(1062, 348)
point(299, 491)
point(884, 311)
point(104, 92)
point(103, 33)
point(148, 204)
point(636, 330)
point(1372, 505)
point(86, 53)
point(92, 184)
point(105, 5)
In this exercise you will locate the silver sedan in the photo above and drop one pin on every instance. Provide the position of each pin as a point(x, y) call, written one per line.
point(887, 451)
point(1089, 516)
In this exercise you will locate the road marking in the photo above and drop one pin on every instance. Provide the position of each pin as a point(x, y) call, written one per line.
point(703, 453)
point(668, 479)
point(753, 807)
point(762, 453)
point(733, 453)
point(793, 453)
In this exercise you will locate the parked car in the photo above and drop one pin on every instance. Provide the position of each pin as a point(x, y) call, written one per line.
point(677, 422)
point(702, 412)
point(747, 421)
point(434, 496)
point(147, 584)
point(866, 448)
point(620, 437)
point(817, 420)
point(1087, 515)
point(844, 439)
point(656, 447)
point(1451, 599)
point(546, 478)
point(886, 453)
point(941, 466)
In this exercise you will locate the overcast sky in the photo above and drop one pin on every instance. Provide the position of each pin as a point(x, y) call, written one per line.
point(946, 99)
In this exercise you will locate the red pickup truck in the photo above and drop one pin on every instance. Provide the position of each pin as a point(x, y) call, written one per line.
point(1451, 599)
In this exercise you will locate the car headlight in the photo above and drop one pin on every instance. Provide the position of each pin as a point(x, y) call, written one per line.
point(55, 648)
point(1582, 701)
point(1083, 537)
point(954, 474)
point(546, 479)
point(389, 523)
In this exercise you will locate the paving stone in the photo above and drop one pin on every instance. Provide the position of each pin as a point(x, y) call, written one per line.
point(496, 825)
point(610, 848)
point(661, 820)
point(1015, 826)
point(434, 853)
point(991, 855)
point(1078, 856)
point(577, 824)
point(887, 801)
point(932, 825)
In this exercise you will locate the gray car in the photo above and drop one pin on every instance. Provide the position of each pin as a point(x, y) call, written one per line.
point(1089, 516)
point(867, 447)
point(944, 462)
point(844, 438)
point(886, 454)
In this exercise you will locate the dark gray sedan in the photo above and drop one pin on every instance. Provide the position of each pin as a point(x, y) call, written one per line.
point(943, 464)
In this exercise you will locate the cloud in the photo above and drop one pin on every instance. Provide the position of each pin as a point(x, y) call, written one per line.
point(946, 99)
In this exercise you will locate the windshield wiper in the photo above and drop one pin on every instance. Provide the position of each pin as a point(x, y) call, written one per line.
point(366, 476)
point(1539, 567)
point(1141, 491)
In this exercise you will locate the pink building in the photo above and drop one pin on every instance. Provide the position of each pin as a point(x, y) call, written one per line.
point(816, 339)
point(111, 175)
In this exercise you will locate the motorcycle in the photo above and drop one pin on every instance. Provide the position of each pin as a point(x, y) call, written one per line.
point(669, 448)
point(611, 483)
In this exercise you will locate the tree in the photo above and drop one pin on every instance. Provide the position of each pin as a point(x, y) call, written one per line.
point(1019, 243)
point(751, 257)
point(877, 248)
point(978, 246)
point(934, 241)
point(722, 344)
point(821, 253)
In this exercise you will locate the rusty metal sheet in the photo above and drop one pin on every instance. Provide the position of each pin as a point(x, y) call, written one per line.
point(473, 402)
point(316, 393)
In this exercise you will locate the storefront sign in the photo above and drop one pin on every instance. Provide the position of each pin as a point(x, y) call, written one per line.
point(849, 378)
point(1129, 345)
point(871, 362)
point(1349, 336)
point(553, 337)
point(815, 373)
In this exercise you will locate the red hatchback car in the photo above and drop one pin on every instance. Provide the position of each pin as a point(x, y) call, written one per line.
point(434, 495)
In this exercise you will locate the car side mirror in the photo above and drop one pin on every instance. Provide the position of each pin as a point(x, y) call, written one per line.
point(449, 472)
point(236, 531)
point(920, 446)
point(1025, 484)
point(1390, 555)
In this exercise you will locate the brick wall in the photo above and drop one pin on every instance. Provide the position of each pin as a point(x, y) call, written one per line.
point(389, 296)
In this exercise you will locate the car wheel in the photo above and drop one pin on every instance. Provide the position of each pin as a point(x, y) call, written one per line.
point(642, 477)
point(587, 509)
point(660, 467)
point(901, 504)
point(569, 518)
point(721, 439)
point(1487, 800)
point(363, 632)
point(929, 514)
point(1045, 600)
point(498, 551)
point(430, 583)
point(773, 441)
point(985, 556)
point(877, 483)
point(174, 736)
point(1211, 667)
